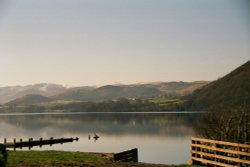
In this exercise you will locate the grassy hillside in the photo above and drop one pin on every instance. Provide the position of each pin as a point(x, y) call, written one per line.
point(229, 92)
point(108, 92)
point(178, 88)
point(30, 99)
point(111, 92)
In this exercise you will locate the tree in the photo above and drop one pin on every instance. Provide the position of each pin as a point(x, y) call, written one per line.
point(230, 126)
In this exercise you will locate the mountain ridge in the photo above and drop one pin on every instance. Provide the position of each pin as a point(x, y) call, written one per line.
point(229, 92)
point(29, 99)
point(107, 92)
point(10, 93)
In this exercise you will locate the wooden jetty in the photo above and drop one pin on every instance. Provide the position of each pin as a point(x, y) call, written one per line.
point(31, 143)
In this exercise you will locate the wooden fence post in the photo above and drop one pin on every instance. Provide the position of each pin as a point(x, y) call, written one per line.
point(136, 155)
point(51, 139)
point(14, 142)
point(41, 139)
point(30, 139)
point(238, 149)
point(215, 152)
point(21, 140)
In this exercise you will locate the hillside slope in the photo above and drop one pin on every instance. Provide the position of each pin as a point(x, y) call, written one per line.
point(10, 93)
point(30, 99)
point(108, 92)
point(229, 92)
point(111, 92)
point(178, 88)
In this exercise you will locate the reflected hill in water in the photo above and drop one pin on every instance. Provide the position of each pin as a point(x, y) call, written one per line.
point(111, 124)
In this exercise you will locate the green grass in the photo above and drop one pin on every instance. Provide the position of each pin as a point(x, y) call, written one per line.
point(164, 100)
point(52, 158)
point(60, 102)
point(185, 165)
point(60, 159)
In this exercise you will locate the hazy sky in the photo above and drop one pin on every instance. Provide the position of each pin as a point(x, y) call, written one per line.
point(98, 42)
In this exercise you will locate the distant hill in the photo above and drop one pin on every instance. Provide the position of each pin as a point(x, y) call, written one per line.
point(110, 92)
point(229, 92)
point(29, 100)
point(13, 92)
point(85, 93)
point(178, 88)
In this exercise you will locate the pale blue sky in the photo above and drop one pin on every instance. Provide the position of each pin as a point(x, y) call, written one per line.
point(98, 42)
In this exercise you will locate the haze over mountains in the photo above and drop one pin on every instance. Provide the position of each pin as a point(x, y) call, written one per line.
point(48, 92)
point(13, 92)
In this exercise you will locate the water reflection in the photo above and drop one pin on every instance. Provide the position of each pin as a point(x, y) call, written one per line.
point(164, 135)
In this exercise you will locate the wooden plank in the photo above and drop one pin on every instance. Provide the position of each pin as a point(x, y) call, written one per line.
point(127, 156)
point(221, 142)
point(221, 149)
point(131, 154)
point(211, 162)
point(222, 157)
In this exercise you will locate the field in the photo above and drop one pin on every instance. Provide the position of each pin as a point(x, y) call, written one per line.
point(164, 100)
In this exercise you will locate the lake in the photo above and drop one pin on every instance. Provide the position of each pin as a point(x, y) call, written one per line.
point(160, 137)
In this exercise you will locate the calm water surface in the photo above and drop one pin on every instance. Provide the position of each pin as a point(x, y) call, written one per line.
point(160, 137)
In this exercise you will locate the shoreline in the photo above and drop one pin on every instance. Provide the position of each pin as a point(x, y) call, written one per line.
point(76, 113)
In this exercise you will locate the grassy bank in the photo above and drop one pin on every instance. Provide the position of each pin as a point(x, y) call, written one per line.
point(53, 158)
point(63, 159)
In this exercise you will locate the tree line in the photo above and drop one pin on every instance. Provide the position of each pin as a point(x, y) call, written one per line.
point(119, 105)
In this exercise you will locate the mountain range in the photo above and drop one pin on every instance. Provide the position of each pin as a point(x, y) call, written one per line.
point(48, 92)
point(10, 93)
point(230, 92)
